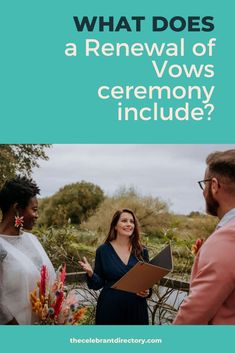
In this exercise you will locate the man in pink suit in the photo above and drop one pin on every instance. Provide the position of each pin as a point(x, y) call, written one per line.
point(211, 300)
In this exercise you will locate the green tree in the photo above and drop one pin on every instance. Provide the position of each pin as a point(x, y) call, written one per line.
point(20, 159)
point(74, 202)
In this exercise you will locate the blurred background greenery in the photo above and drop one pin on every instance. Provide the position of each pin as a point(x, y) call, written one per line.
point(75, 221)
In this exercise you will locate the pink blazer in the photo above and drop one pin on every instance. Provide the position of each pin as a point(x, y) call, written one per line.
point(211, 300)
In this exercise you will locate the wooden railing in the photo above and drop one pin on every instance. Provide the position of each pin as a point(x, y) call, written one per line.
point(80, 277)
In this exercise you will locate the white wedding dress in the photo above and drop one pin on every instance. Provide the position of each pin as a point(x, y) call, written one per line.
point(21, 258)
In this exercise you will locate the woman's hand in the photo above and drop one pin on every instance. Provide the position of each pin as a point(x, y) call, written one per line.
point(86, 266)
point(143, 293)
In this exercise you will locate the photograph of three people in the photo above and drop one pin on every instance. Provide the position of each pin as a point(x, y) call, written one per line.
point(86, 255)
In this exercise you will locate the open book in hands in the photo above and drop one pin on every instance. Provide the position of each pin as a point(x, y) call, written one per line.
point(145, 274)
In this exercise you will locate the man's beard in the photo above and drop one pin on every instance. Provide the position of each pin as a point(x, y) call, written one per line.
point(211, 204)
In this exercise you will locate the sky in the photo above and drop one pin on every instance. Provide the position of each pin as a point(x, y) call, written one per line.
point(169, 172)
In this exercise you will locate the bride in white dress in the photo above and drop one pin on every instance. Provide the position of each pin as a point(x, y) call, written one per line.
point(21, 254)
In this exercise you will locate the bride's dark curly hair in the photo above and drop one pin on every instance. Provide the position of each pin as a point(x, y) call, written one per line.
point(17, 190)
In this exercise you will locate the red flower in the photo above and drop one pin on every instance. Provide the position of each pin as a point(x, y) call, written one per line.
point(63, 273)
point(43, 280)
point(58, 303)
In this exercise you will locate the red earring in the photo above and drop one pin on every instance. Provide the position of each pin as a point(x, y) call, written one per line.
point(19, 222)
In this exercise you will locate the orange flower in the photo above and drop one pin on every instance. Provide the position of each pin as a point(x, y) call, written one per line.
point(196, 246)
point(79, 315)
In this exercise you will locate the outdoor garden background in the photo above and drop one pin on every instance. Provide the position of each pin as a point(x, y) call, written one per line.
point(75, 220)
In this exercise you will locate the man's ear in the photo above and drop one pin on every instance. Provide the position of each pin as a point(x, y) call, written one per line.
point(214, 186)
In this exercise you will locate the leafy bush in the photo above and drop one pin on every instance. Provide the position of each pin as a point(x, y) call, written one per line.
point(67, 244)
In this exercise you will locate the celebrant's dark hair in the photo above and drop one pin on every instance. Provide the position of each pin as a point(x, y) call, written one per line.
point(18, 190)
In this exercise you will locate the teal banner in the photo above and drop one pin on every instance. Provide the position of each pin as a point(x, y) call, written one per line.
point(164, 339)
point(117, 72)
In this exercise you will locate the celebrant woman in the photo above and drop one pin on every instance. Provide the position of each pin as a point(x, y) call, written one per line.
point(21, 254)
point(120, 252)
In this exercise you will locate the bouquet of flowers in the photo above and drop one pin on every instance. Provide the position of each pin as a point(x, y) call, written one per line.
point(52, 304)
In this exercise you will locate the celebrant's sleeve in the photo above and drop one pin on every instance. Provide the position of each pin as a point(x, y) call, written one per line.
point(97, 280)
point(145, 255)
